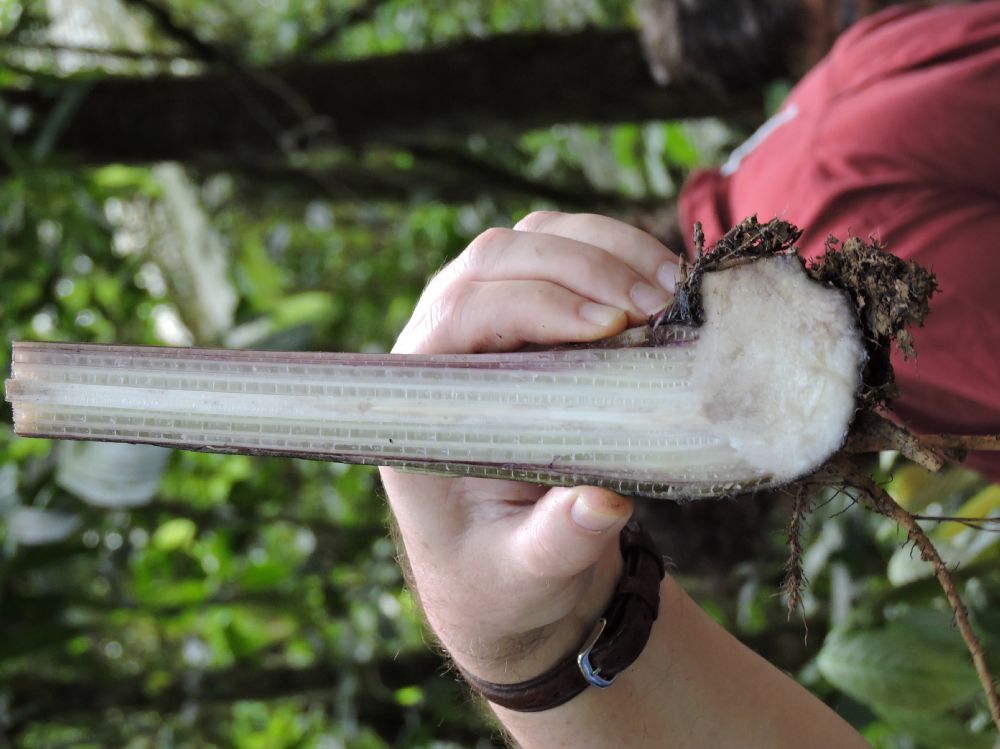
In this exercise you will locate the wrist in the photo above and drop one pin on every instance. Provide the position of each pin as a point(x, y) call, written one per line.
point(509, 652)
point(615, 641)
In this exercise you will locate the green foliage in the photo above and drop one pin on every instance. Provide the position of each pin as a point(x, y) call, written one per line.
point(913, 663)
point(254, 565)
point(257, 603)
point(894, 647)
point(913, 672)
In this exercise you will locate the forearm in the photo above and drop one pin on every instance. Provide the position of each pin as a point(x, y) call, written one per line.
point(695, 685)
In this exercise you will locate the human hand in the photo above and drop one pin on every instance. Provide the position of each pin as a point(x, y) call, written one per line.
point(512, 576)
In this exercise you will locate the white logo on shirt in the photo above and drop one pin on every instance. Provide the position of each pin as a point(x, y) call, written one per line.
point(779, 118)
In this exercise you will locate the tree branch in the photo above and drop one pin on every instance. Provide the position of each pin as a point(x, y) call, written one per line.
point(469, 166)
point(116, 52)
point(447, 180)
point(498, 85)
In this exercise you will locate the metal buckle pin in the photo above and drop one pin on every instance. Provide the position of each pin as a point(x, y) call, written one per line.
point(591, 674)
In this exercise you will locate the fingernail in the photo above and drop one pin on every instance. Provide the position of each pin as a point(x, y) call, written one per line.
point(668, 275)
point(649, 298)
point(599, 314)
point(590, 518)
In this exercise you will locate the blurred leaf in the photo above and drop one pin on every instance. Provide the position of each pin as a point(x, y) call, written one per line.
point(31, 526)
point(303, 308)
point(916, 663)
point(678, 147)
point(409, 696)
point(175, 534)
point(940, 731)
point(109, 474)
point(248, 634)
point(775, 95)
point(969, 547)
point(626, 145)
point(119, 176)
point(915, 488)
point(193, 256)
point(984, 504)
point(261, 279)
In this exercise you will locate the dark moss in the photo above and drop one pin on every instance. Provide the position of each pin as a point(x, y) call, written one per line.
point(890, 295)
point(748, 241)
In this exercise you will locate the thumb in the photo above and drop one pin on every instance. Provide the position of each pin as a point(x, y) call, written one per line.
point(569, 530)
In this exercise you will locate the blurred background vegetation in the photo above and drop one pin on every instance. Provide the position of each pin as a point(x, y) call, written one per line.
point(287, 174)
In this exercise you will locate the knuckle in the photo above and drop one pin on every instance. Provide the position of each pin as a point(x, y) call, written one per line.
point(489, 241)
point(447, 316)
point(443, 310)
point(485, 249)
point(535, 220)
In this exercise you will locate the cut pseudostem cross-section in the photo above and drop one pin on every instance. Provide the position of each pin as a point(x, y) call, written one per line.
point(759, 394)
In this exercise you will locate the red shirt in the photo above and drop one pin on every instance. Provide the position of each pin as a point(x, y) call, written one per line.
point(896, 133)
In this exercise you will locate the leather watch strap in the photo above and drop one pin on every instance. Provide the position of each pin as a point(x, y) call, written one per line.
point(618, 638)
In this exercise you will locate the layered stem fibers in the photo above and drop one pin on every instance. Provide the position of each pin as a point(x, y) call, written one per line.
point(759, 394)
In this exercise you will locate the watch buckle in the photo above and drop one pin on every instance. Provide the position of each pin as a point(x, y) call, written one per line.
point(590, 674)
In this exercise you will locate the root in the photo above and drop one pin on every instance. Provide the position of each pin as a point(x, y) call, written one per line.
point(873, 433)
point(842, 472)
point(960, 444)
point(794, 576)
point(986, 525)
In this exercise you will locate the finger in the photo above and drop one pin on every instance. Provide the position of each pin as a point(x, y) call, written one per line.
point(505, 254)
point(504, 316)
point(569, 531)
point(642, 251)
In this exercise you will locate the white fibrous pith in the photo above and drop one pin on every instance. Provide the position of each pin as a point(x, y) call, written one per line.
point(779, 362)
